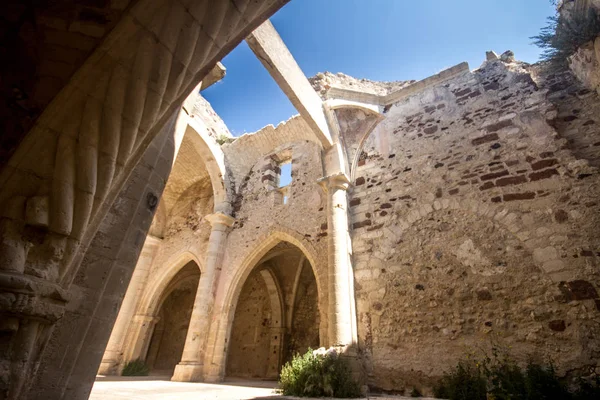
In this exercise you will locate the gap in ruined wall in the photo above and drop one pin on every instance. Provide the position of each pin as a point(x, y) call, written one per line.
point(261, 102)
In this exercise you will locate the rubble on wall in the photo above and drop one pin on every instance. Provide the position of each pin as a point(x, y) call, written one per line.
point(324, 80)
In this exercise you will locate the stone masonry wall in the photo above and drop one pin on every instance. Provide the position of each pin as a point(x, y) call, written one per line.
point(474, 220)
point(186, 230)
point(259, 206)
point(169, 335)
point(245, 151)
point(250, 335)
point(577, 110)
point(304, 331)
point(249, 343)
point(263, 219)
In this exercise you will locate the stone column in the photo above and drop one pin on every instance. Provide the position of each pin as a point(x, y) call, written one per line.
point(112, 361)
point(190, 369)
point(142, 327)
point(341, 314)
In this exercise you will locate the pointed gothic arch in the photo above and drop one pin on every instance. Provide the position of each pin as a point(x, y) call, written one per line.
point(220, 332)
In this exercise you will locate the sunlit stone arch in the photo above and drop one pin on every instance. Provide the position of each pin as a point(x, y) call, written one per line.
point(157, 284)
point(220, 331)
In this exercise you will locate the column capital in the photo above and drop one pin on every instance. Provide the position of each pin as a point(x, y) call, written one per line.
point(220, 219)
point(335, 181)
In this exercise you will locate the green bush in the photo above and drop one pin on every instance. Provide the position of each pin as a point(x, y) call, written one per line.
point(561, 37)
point(498, 377)
point(222, 139)
point(587, 389)
point(318, 375)
point(465, 382)
point(135, 368)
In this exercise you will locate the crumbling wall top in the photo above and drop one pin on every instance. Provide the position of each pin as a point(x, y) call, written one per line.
point(324, 80)
point(216, 127)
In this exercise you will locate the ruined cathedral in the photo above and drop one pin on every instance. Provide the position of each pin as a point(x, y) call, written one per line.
point(421, 218)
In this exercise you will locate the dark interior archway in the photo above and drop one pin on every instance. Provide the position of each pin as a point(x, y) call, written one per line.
point(277, 315)
point(174, 312)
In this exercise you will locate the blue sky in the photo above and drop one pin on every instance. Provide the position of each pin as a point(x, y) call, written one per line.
point(376, 39)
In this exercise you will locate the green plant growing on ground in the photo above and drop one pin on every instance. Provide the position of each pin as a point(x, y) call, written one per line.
point(561, 37)
point(464, 382)
point(498, 377)
point(318, 374)
point(415, 393)
point(135, 368)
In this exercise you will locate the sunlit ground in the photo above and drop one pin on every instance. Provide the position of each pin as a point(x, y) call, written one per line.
point(155, 388)
point(160, 388)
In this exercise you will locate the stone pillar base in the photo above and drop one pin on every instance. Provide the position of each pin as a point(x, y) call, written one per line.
point(213, 379)
point(350, 354)
point(188, 373)
point(108, 368)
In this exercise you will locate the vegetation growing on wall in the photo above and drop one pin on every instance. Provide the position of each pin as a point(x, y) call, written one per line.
point(499, 377)
point(318, 373)
point(222, 139)
point(562, 36)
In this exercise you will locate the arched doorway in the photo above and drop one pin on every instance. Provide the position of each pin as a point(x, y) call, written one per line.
point(173, 319)
point(276, 316)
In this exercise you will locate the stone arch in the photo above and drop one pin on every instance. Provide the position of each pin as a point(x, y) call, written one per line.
point(162, 344)
point(267, 242)
point(159, 222)
point(214, 161)
point(547, 258)
point(221, 332)
point(171, 285)
point(154, 290)
point(138, 336)
point(355, 143)
point(257, 333)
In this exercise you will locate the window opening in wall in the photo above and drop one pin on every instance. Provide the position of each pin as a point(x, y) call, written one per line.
point(277, 175)
point(285, 177)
